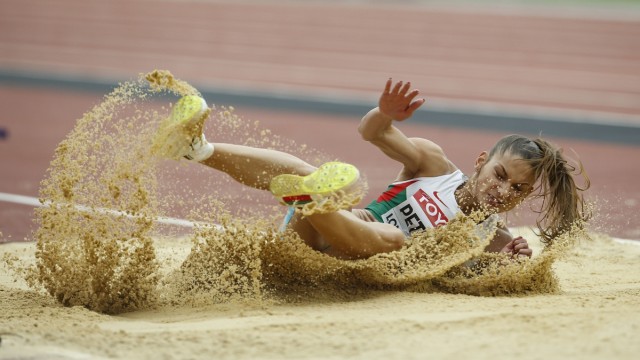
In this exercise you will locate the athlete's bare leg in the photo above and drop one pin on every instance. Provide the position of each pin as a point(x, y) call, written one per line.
point(255, 167)
point(341, 234)
point(350, 237)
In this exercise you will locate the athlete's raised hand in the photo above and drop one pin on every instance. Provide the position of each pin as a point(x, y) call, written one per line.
point(398, 102)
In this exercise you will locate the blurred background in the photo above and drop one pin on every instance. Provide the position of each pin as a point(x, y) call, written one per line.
point(309, 70)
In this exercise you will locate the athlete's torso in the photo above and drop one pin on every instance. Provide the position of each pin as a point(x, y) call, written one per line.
point(419, 203)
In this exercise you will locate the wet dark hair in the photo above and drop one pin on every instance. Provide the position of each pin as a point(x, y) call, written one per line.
point(562, 200)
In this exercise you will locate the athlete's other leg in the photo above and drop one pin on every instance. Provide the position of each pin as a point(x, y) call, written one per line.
point(182, 137)
point(255, 167)
point(350, 237)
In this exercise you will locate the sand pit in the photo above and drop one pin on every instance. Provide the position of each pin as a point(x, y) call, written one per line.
point(594, 316)
point(117, 284)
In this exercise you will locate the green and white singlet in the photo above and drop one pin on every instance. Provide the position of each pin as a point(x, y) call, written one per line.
point(419, 203)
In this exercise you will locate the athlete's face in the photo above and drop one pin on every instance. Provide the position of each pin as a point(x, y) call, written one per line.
point(502, 182)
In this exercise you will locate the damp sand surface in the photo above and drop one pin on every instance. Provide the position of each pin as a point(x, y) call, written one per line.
point(594, 316)
point(103, 278)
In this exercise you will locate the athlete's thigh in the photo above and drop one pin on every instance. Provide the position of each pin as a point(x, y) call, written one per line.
point(307, 232)
point(371, 237)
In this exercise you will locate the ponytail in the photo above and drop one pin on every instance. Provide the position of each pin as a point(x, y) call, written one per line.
point(562, 201)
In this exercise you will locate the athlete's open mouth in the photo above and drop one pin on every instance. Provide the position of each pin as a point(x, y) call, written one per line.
point(493, 201)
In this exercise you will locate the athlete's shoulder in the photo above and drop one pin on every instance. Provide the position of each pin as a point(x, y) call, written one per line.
point(434, 161)
point(427, 146)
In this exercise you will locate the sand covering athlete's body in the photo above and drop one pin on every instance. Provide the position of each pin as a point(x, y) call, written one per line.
point(511, 171)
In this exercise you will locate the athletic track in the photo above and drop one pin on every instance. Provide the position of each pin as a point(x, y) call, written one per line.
point(309, 70)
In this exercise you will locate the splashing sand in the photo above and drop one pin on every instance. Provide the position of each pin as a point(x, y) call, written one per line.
point(108, 262)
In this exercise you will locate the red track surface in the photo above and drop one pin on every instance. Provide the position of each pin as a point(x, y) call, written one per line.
point(553, 63)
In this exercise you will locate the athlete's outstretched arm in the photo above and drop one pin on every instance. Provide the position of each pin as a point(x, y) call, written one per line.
point(397, 103)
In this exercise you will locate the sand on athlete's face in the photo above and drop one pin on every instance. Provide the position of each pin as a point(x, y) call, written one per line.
point(108, 262)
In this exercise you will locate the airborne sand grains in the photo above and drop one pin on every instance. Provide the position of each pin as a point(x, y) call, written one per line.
point(106, 261)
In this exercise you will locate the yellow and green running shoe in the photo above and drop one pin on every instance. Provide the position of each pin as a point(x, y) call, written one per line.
point(329, 178)
point(181, 135)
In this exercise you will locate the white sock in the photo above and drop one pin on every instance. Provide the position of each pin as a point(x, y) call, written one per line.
point(201, 150)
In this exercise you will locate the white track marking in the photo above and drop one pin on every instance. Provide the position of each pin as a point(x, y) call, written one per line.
point(32, 201)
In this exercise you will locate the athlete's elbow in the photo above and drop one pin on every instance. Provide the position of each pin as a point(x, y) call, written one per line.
point(365, 133)
point(373, 125)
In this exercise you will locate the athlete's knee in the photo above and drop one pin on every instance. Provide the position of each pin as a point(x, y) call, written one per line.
point(303, 168)
point(373, 245)
point(379, 245)
point(394, 241)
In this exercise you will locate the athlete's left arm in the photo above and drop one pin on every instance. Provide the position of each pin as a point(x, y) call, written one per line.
point(419, 157)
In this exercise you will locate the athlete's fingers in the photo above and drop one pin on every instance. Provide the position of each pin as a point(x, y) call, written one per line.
point(413, 94)
point(415, 105)
point(520, 247)
point(396, 88)
point(387, 86)
point(525, 252)
point(519, 240)
point(405, 88)
point(508, 247)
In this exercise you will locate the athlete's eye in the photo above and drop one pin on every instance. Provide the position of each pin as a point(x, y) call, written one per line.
point(520, 188)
